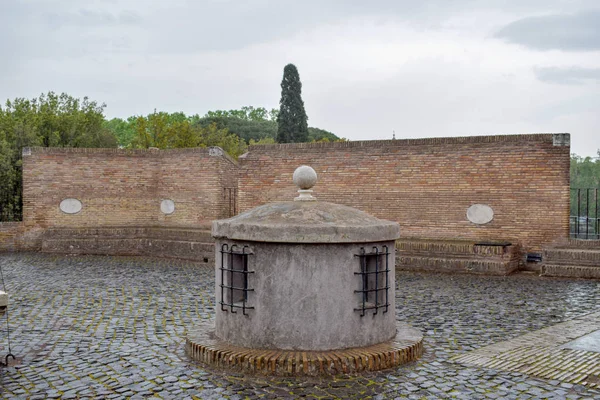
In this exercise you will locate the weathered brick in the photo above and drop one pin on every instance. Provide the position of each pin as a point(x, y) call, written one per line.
point(426, 185)
point(124, 188)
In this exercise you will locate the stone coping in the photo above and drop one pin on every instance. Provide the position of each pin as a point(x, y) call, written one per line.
point(518, 138)
point(212, 151)
point(204, 347)
point(201, 232)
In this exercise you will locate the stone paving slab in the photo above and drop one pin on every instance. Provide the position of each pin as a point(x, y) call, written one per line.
point(589, 342)
point(115, 328)
point(544, 354)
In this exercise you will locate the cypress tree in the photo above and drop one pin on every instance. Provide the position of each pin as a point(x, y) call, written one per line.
point(292, 126)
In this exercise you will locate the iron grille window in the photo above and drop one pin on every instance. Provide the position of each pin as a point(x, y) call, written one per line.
point(374, 280)
point(234, 278)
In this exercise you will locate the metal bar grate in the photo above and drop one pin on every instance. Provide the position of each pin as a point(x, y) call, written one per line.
point(374, 277)
point(234, 278)
point(230, 201)
point(584, 222)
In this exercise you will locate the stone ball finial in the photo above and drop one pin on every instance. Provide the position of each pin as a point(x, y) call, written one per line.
point(305, 178)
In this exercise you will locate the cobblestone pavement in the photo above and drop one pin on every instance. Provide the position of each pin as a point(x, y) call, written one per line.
point(96, 327)
point(548, 353)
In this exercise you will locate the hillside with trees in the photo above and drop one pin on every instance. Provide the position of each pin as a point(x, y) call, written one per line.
point(258, 125)
point(53, 120)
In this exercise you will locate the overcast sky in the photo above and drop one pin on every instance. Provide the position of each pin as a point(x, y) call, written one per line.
point(426, 68)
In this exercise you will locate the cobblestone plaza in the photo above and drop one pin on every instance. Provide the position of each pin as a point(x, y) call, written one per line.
point(114, 327)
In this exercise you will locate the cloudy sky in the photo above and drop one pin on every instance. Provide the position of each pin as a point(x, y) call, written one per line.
point(425, 68)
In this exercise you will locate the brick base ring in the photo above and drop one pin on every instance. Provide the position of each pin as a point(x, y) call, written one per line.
point(204, 347)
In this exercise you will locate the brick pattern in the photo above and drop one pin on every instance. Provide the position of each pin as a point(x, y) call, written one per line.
point(573, 259)
point(540, 354)
point(570, 271)
point(187, 244)
point(9, 235)
point(204, 347)
point(424, 184)
point(125, 187)
point(457, 256)
point(427, 184)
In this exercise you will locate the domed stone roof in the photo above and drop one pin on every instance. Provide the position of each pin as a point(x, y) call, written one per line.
point(306, 222)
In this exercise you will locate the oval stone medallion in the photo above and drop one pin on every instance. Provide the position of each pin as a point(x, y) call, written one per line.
point(167, 206)
point(480, 214)
point(70, 206)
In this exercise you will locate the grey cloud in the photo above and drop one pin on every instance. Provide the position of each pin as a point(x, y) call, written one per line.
point(226, 25)
point(36, 30)
point(567, 76)
point(181, 26)
point(188, 27)
point(575, 32)
point(86, 18)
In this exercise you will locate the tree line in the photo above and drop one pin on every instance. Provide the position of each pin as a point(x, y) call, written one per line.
point(585, 174)
point(585, 171)
point(232, 130)
point(53, 120)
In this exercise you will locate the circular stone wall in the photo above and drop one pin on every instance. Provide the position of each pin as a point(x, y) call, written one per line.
point(303, 298)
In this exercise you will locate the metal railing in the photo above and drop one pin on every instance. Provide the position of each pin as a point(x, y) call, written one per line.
point(230, 201)
point(584, 222)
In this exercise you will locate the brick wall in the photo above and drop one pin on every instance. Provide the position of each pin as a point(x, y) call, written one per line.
point(124, 187)
point(428, 184)
point(10, 233)
point(424, 184)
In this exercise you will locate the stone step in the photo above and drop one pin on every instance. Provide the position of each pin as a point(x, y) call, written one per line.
point(456, 265)
point(572, 256)
point(583, 244)
point(445, 248)
point(170, 233)
point(188, 250)
point(571, 271)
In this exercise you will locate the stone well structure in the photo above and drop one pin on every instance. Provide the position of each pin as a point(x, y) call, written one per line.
point(304, 287)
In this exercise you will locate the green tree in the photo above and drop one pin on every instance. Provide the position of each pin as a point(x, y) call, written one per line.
point(585, 174)
point(152, 131)
point(185, 134)
point(292, 123)
point(231, 143)
point(247, 113)
point(244, 128)
point(176, 130)
point(262, 141)
point(48, 120)
point(321, 135)
point(255, 124)
point(123, 130)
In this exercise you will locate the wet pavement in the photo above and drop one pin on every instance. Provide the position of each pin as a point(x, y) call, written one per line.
point(114, 328)
point(589, 342)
